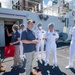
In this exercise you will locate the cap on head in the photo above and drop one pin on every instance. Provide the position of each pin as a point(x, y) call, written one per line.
point(30, 21)
point(21, 25)
point(50, 25)
point(39, 24)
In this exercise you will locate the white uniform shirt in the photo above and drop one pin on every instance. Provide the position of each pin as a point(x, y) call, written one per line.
point(20, 31)
point(51, 37)
point(72, 32)
point(40, 34)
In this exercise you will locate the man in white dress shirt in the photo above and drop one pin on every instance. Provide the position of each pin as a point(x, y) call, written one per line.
point(72, 48)
point(40, 35)
point(51, 37)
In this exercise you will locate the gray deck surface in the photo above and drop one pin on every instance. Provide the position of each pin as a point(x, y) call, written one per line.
point(63, 59)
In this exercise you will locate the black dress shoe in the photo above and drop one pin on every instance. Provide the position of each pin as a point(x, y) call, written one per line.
point(32, 73)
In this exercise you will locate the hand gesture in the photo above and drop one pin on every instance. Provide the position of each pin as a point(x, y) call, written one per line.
point(11, 43)
point(34, 41)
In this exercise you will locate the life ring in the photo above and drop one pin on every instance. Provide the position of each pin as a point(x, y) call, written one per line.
point(73, 13)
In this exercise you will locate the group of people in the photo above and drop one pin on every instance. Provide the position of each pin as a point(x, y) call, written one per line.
point(26, 41)
point(50, 37)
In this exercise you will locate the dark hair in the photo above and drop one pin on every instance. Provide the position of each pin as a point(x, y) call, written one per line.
point(15, 27)
point(21, 25)
point(33, 21)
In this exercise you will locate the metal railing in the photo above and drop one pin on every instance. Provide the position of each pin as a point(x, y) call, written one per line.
point(33, 6)
point(28, 5)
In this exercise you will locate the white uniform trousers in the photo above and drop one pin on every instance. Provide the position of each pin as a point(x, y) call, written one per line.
point(51, 48)
point(21, 50)
point(72, 53)
point(39, 46)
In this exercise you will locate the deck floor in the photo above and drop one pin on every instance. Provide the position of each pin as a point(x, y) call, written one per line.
point(63, 59)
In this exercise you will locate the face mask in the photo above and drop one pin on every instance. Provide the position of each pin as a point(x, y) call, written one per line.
point(40, 27)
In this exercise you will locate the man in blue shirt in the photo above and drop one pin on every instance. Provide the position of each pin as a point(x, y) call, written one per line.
point(29, 44)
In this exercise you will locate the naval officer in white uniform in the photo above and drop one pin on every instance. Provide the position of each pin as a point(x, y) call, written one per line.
point(21, 45)
point(72, 48)
point(40, 35)
point(51, 37)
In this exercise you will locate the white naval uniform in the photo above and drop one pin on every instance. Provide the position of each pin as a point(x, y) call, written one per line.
point(72, 47)
point(40, 34)
point(51, 46)
point(21, 45)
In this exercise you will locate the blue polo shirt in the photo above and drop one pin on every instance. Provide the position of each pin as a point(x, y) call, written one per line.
point(15, 37)
point(28, 35)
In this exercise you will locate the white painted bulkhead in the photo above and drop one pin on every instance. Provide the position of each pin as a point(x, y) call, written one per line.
point(15, 14)
point(2, 36)
point(24, 15)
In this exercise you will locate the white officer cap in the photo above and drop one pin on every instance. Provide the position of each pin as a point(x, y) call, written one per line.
point(39, 24)
point(51, 24)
